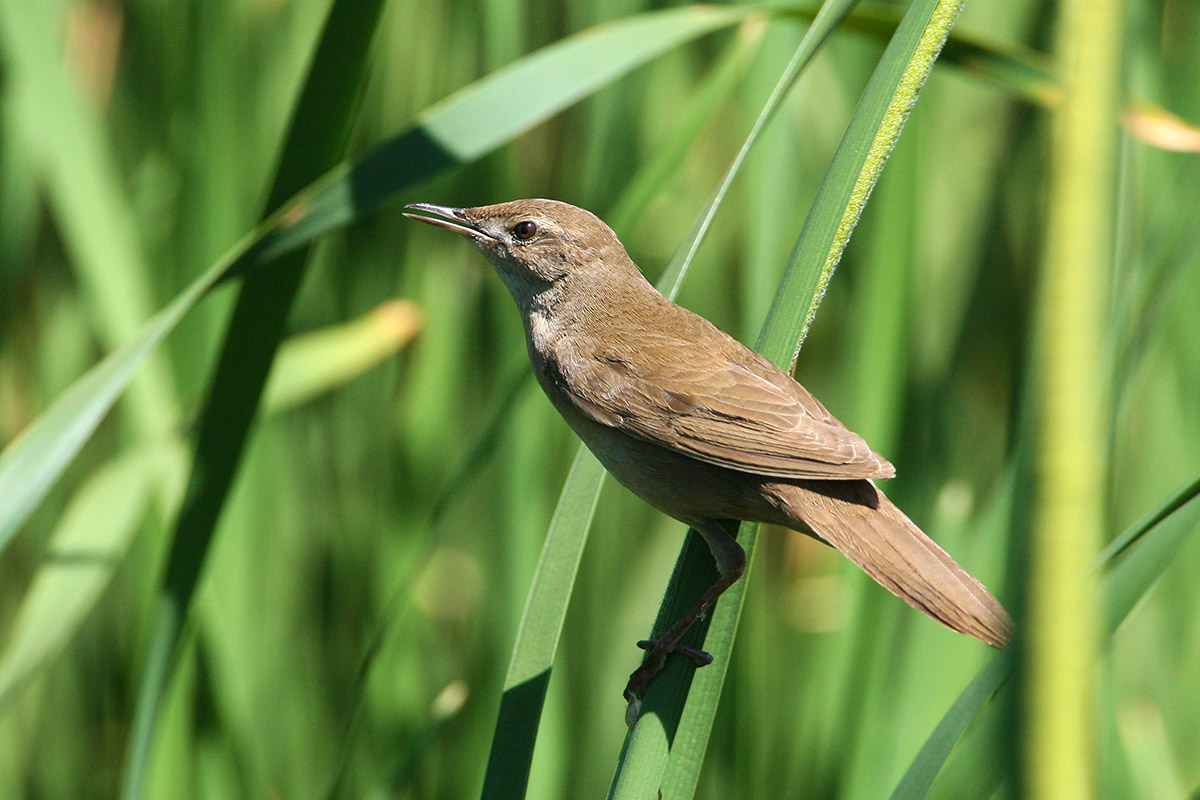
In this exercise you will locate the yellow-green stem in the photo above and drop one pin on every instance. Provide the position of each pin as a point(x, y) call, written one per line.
point(1071, 460)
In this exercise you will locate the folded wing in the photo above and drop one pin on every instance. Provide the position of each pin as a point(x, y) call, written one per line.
point(718, 401)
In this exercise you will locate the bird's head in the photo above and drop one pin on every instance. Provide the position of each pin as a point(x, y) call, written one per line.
point(536, 245)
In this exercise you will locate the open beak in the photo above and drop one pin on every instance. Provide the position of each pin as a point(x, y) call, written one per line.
point(452, 219)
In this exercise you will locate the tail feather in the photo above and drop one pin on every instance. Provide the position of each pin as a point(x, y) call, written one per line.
point(859, 520)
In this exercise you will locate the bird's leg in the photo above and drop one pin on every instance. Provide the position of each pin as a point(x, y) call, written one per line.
point(731, 563)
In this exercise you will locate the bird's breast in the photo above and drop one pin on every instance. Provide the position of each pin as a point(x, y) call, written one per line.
point(540, 333)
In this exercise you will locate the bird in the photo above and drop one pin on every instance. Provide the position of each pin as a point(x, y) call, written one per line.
point(696, 423)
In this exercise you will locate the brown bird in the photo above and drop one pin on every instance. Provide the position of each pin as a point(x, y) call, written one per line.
point(696, 423)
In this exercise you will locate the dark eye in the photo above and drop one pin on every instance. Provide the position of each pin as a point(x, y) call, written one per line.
point(524, 230)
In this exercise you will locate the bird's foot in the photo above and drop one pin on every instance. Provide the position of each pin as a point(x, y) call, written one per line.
point(701, 657)
point(655, 660)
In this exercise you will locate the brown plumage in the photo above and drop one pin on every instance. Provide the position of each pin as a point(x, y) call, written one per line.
point(698, 424)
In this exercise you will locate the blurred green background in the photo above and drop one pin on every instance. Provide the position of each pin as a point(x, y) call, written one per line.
point(391, 506)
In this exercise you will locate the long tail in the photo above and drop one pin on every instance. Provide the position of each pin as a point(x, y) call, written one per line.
point(859, 520)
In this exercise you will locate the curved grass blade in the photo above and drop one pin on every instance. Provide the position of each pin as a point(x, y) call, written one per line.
point(460, 123)
point(1118, 546)
point(82, 554)
point(1148, 548)
point(869, 139)
point(933, 754)
point(479, 118)
point(33, 461)
point(541, 625)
